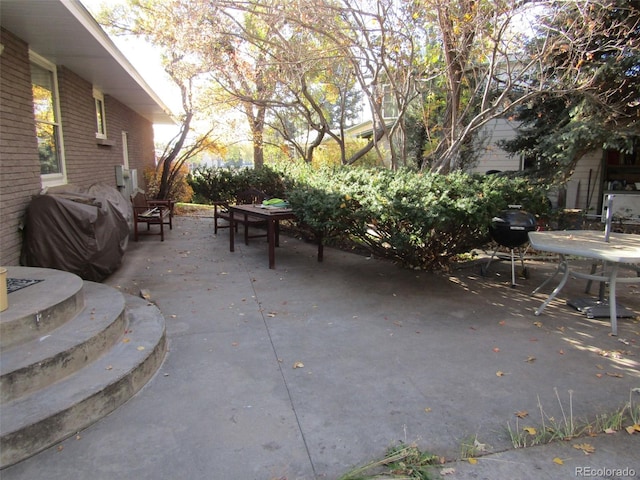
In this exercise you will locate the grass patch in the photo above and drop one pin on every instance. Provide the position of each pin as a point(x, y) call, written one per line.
point(193, 210)
point(402, 462)
point(569, 427)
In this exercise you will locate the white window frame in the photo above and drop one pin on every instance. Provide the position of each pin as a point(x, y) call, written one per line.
point(53, 179)
point(125, 149)
point(101, 116)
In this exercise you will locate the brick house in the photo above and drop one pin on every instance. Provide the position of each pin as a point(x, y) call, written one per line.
point(73, 110)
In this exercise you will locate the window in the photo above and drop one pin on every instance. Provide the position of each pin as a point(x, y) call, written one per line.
point(101, 118)
point(47, 119)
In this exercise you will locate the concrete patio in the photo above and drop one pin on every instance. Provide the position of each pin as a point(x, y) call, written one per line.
point(308, 370)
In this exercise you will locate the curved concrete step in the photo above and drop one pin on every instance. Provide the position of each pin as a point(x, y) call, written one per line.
point(32, 423)
point(33, 365)
point(37, 310)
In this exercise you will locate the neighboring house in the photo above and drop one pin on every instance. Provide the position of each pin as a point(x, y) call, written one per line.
point(583, 190)
point(73, 110)
point(597, 174)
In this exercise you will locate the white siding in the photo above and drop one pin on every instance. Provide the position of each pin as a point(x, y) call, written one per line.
point(492, 157)
point(587, 180)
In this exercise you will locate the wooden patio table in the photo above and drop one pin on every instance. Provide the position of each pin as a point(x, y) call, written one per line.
point(620, 249)
point(272, 217)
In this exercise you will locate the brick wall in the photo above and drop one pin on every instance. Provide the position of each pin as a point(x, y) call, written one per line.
point(140, 136)
point(19, 164)
point(87, 162)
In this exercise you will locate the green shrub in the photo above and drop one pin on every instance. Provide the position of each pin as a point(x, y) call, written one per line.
point(418, 220)
point(222, 184)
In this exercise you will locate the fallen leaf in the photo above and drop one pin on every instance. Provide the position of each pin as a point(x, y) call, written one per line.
point(561, 352)
point(60, 448)
point(140, 348)
point(480, 447)
point(587, 448)
point(538, 324)
point(522, 414)
point(234, 344)
point(109, 367)
point(427, 410)
point(633, 429)
point(272, 314)
point(472, 461)
point(126, 340)
point(599, 375)
point(609, 430)
point(499, 373)
point(616, 375)
point(502, 323)
point(599, 367)
point(298, 365)
point(558, 461)
point(448, 471)
point(496, 349)
point(530, 359)
point(530, 430)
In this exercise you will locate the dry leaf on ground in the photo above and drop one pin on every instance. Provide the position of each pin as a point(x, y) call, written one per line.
point(587, 448)
point(480, 447)
point(633, 429)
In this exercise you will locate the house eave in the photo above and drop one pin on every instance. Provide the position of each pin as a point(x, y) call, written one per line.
point(65, 33)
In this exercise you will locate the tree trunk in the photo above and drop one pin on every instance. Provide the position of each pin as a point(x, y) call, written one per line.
point(167, 162)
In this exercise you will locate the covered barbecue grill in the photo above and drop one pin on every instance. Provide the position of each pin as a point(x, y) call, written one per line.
point(510, 228)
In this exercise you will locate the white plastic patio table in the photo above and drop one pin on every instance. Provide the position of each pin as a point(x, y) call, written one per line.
point(622, 248)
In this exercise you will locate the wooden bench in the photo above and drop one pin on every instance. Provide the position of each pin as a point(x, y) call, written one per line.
point(151, 212)
point(251, 196)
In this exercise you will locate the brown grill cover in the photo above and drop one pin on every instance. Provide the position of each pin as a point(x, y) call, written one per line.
point(82, 232)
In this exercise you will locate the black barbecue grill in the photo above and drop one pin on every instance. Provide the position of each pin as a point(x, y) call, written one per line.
point(510, 228)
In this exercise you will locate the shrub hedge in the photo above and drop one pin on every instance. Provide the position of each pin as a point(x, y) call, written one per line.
point(420, 220)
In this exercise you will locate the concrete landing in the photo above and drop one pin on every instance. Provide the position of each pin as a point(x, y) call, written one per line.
point(308, 370)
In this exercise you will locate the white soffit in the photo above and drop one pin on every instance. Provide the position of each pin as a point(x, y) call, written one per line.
point(65, 33)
